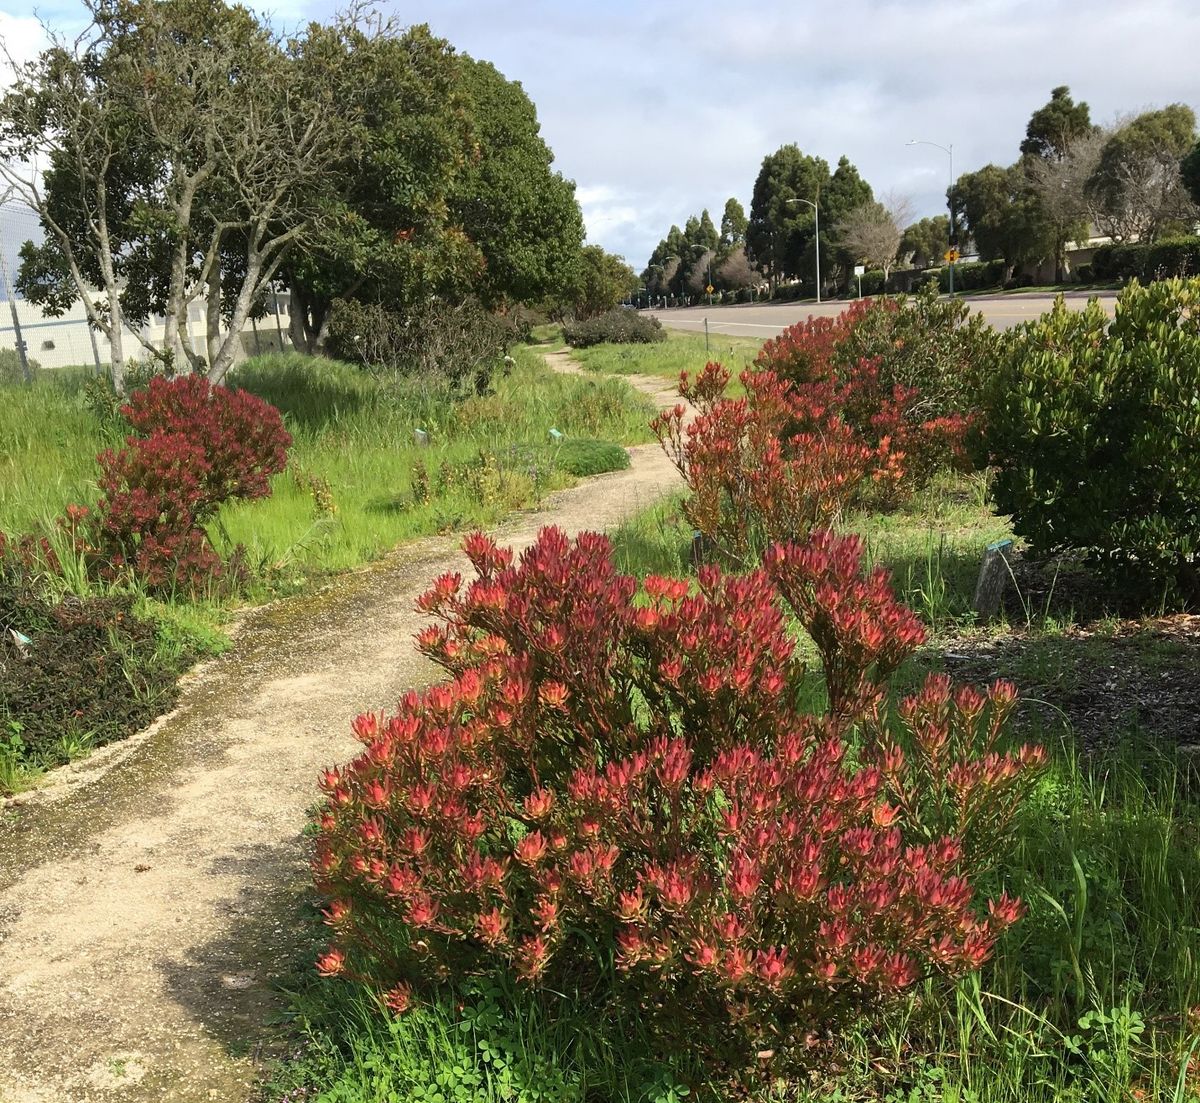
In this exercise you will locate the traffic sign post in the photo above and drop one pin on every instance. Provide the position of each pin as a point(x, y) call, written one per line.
point(859, 269)
point(950, 256)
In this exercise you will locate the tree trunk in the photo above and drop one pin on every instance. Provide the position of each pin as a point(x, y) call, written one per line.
point(308, 323)
point(108, 275)
point(222, 358)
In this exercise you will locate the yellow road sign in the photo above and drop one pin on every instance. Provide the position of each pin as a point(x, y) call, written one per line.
point(952, 255)
point(709, 289)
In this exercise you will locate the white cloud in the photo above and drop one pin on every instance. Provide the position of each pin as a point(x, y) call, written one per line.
point(22, 37)
point(669, 107)
point(659, 109)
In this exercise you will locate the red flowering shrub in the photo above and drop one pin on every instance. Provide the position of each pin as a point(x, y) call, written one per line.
point(195, 446)
point(242, 436)
point(808, 352)
point(754, 475)
point(881, 367)
point(614, 777)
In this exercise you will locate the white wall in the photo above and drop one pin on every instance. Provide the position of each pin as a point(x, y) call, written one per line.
point(63, 342)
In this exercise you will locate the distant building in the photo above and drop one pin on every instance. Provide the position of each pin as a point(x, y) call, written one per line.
point(68, 340)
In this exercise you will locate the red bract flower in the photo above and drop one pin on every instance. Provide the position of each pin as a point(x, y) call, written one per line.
point(532, 848)
point(593, 785)
point(332, 963)
point(493, 927)
point(398, 999)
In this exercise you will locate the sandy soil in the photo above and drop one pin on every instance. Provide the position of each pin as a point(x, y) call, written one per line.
point(149, 896)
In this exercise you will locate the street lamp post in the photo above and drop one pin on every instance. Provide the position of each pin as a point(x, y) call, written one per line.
point(708, 271)
point(949, 152)
point(817, 227)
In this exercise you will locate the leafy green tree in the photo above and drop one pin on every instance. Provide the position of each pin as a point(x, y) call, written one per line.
point(600, 281)
point(1002, 215)
point(1059, 152)
point(510, 202)
point(781, 235)
point(1189, 171)
point(845, 193)
point(780, 230)
point(389, 235)
point(662, 273)
point(1137, 185)
point(1056, 126)
point(706, 235)
point(733, 226)
point(926, 241)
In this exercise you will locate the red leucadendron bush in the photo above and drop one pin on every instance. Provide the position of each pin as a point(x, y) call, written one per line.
point(194, 447)
point(615, 777)
point(818, 428)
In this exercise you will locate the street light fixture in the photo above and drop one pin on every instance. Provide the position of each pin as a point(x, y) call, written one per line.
point(949, 152)
point(817, 226)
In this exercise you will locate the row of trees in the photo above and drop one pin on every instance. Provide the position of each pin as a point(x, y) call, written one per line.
point(777, 238)
point(1138, 179)
point(182, 152)
point(1126, 181)
point(688, 260)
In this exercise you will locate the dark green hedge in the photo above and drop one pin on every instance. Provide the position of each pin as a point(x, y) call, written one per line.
point(1166, 259)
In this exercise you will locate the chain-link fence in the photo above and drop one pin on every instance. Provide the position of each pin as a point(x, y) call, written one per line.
point(70, 340)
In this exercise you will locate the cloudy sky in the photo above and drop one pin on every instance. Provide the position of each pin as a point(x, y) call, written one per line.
point(659, 108)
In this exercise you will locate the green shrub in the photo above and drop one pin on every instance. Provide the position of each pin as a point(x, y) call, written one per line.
point(590, 457)
point(10, 368)
point(1166, 259)
point(973, 276)
point(620, 326)
point(872, 283)
point(1095, 430)
point(457, 343)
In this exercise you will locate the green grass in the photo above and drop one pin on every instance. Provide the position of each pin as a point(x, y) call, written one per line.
point(50, 443)
point(486, 456)
point(489, 1042)
point(679, 352)
point(357, 483)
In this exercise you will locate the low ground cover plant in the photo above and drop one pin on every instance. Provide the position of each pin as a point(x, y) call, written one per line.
point(75, 673)
point(619, 326)
point(1095, 434)
point(638, 783)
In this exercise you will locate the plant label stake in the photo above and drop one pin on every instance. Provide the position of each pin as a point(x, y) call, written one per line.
point(993, 577)
point(555, 435)
point(421, 437)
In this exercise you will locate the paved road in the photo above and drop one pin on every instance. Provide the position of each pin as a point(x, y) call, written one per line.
point(767, 319)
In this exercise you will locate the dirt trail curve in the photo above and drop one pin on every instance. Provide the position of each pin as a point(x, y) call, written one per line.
point(148, 897)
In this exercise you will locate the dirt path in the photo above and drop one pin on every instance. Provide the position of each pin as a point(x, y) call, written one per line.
point(149, 896)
